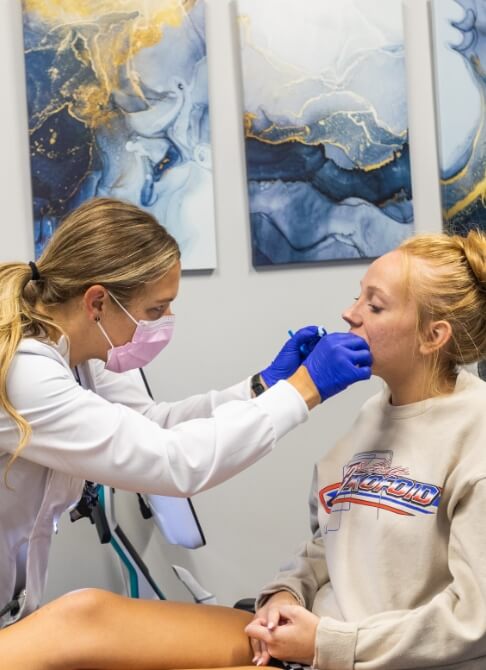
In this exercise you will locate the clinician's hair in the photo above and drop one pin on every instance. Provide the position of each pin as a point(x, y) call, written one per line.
point(104, 241)
point(449, 283)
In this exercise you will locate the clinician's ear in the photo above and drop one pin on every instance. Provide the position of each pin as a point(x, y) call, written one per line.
point(94, 301)
point(437, 334)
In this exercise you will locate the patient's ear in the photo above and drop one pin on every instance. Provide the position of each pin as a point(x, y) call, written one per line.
point(435, 336)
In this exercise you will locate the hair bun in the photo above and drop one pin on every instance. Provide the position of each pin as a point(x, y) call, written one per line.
point(474, 249)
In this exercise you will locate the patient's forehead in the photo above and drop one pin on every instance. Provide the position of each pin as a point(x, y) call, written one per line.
point(387, 273)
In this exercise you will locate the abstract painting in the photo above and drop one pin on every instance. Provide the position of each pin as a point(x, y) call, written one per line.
point(117, 96)
point(326, 128)
point(459, 28)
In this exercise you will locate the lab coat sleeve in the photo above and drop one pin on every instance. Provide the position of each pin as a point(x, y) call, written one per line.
point(128, 389)
point(303, 575)
point(450, 629)
point(77, 432)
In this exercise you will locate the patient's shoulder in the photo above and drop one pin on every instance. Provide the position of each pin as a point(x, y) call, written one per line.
point(470, 395)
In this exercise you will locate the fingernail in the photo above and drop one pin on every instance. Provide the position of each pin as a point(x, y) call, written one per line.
point(271, 626)
point(260, 662)
point(254, 659)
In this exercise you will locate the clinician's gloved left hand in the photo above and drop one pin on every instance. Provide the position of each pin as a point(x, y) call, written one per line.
point(339, 360)
point(292, 354)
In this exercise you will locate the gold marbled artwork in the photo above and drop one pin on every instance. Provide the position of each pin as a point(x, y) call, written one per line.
point(118, 106)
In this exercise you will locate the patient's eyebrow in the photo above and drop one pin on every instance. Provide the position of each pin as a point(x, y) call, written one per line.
point(372, 290)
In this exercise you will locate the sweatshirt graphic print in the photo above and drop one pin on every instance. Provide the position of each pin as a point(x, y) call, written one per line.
point(370, 479)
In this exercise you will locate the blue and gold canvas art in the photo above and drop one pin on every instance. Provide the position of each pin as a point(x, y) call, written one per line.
point(460, 67)
point(117, 96)
point(326, 129)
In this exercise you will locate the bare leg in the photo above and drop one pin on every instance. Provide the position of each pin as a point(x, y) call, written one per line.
point(98, 630)
point(232, 667)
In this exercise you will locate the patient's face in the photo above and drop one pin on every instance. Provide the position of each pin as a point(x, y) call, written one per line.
point(386, 317)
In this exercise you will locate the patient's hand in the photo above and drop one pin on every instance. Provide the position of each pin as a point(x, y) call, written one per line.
point(270, 617)
point(292, 639)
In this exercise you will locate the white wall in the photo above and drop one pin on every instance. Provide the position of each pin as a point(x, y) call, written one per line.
point(230, 324)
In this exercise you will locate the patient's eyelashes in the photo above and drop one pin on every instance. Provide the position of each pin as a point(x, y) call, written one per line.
point(375, 309)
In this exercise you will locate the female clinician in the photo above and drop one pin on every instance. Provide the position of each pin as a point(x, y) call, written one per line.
point(73, 329)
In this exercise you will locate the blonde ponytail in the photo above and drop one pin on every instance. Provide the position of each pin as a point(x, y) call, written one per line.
point(18, 318)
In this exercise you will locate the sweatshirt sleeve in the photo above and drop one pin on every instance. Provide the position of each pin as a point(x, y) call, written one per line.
point(81, 434)
point(449, 629)
point(303, 575)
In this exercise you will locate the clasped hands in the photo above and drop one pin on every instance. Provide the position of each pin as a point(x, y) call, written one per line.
point(283, 629)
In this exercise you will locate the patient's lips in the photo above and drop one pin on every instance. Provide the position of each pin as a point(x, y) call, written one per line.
point(357, 331)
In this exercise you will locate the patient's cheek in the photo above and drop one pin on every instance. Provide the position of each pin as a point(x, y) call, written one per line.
point(391, 349)
point(376, 361)
point(378, 350)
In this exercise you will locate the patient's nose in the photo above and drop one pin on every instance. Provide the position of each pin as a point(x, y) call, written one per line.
point(352, 316)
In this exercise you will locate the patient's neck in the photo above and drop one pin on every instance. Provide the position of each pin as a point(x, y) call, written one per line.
point(417, 387)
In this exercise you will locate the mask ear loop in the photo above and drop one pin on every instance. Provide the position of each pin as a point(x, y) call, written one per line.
point(123, 308)
point(98, 323)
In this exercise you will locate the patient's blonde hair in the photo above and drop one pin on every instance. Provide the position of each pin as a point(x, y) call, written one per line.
point(449, 284)
point(104, 241)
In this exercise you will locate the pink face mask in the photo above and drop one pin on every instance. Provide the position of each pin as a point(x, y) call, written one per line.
point(149, 338)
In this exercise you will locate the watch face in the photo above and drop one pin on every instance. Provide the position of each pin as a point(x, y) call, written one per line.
point(256, 386)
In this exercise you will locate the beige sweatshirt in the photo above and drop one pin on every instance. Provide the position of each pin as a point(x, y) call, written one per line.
point(396, 568)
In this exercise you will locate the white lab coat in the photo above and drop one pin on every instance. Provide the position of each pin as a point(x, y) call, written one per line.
point(109, 431)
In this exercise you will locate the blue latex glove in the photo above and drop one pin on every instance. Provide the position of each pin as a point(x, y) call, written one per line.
point(337, 361)
point(292, 354)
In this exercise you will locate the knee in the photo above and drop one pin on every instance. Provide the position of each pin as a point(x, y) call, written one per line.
point(76, 622)
point(85, 606)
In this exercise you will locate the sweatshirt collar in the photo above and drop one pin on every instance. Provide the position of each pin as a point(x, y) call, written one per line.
point(465, 381)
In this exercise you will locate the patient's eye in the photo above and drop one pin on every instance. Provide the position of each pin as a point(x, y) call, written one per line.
point(374, 308)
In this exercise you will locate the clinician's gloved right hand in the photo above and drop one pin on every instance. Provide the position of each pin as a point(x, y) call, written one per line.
point(337, 361)
point(290, 356)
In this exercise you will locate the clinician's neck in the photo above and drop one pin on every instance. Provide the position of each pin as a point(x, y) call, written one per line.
point(417, 386)
point(83, 342)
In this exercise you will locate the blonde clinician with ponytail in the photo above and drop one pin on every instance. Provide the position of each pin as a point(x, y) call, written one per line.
point(75, 326)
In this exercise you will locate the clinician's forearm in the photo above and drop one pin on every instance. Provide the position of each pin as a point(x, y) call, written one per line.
point(128, 389)
point(202, 406)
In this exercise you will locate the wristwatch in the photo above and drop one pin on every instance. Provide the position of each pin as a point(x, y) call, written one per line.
point(256, 384)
